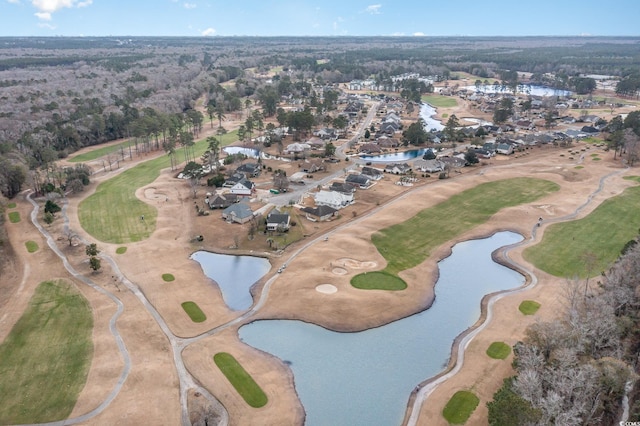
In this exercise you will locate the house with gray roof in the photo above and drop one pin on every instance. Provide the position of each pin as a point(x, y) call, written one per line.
point(238, 213)
point(320, 213)
point(362, 181)
point(277, 221)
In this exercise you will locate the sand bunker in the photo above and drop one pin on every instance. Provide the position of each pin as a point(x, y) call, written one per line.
point(339, 271)
point(153, 194)
point(326, 289)
point(355, 264)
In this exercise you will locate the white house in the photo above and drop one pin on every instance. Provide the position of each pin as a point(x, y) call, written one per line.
point(333, 199)
point(243, 187)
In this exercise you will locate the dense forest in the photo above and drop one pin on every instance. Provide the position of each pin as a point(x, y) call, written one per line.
point(61, 94)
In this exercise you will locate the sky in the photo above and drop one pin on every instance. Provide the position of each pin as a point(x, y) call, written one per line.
point(319, 18)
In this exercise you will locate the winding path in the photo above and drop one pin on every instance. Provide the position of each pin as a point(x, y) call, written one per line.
point(428, 387)
point(177, 344)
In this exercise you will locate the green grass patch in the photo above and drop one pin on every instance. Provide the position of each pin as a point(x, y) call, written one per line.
point(11, 205)
point(634, 178)
point(168, 277)
point(579, 167)
point(194, 311)
point(94, 154)
point(589, 245)
point(460, 407)
point(14, 217)
point(596, 159)
point(409, 243)
point(44, 362)
point(439, 101)
point(241, 380)
point(499, 350)
point(445, 115)
point(529, 307)
point(593, 140)
point(113, 213)
point(32, 246)
point(378, 280)
point(121, 250)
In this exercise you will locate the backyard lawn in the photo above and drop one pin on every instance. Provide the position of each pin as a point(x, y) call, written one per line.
point(113, 214)
point(45, 360)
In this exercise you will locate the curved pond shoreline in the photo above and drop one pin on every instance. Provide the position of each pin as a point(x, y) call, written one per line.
point(328, 367)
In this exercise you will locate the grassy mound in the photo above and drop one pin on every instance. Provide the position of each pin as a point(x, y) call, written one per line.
point(194, 311)
point(11, 205)
point(460, 407)
point(529, 307)
point(499, 350)
point(44, 362)
point(168, 277)
point(121, 250)
point(241, 380)
point(32, 246)
point(14, 217)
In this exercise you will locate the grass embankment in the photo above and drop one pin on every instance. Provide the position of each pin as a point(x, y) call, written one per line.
point(194, 311)
point(460, 407)
point(32, 246)
point(439, 101)
point(113, 214)
point(409, 243)
point(587, 246)
point(241, 380)
point(45, 360)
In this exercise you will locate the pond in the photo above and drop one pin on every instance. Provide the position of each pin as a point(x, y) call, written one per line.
point(396, 157)
point(235, 275)
point(528, 89)
point(430, 124)
point(366, 378)
point(249, 152)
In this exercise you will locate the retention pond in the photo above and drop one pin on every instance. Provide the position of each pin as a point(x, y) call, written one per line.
point(366, 378)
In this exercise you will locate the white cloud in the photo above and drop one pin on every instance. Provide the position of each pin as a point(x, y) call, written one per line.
point(208, 32)
point(373, 9)
point(419, 34)
point(14, 1)
point(47, 7)
point(190, 5)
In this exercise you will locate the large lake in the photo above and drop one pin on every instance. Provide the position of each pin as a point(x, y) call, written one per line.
point(366, 378)
point(235, 275)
